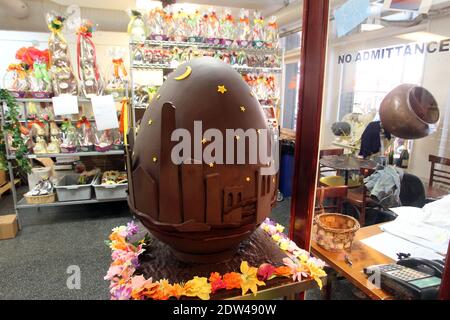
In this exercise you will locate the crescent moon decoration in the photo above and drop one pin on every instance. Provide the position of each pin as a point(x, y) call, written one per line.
point(186, 74)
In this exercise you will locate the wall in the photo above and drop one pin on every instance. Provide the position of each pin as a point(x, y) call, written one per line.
point(435, 78)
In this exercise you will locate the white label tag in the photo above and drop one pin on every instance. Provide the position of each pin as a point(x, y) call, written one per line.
point(65, 104)
point(105, 113)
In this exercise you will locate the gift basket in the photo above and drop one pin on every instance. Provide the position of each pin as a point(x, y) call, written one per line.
point(88, 73)
point(180, 33)
point(39, 78)
point(103, 140)
point(86, 135)
point(117, 83)
point(271, 35)
point(211, 28)
point(156, 23)
point(136, 27)
point(42, 192)
point(63, 78)
point(16, 80)
point(70, 137)
point(194, 23)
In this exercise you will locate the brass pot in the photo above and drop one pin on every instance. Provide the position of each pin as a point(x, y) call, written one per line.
point(409, 112)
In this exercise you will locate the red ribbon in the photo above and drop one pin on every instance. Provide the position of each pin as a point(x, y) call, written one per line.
point(85, 121)
point(87, 37)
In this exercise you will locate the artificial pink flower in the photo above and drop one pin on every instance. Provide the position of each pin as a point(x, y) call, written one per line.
point(265, 271)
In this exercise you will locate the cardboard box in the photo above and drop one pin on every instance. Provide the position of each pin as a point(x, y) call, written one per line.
point(8, 226)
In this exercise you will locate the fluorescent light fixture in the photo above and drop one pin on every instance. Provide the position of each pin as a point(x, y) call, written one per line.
point(371, 27)
point(422, 36)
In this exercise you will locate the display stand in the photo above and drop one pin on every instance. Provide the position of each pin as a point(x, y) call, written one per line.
point(158, 262)
point(22, 204)
point(272, 107)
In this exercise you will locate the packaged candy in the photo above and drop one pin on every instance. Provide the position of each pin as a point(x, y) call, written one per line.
point(258, 30)
point(86, 135)
point(117, 139)
point(194, 23)
point(181, 28)
point(16, 80)
point(243, 30)
point(169, 23)
point(156, 24)
point(117, 82)
point(40, 82)
point(212, 28)
point(104, 141)
point(227, 28)
point(63, 78)
point(88, 73)
point(136, 27)
point(70, 138)
point(271, 34)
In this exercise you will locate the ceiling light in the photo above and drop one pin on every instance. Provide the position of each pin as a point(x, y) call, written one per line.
point(422, 36)
point(371, 27)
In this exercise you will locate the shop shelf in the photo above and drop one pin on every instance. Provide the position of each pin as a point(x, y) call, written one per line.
point(23, 205)
point(152, 66)
point(74, 154)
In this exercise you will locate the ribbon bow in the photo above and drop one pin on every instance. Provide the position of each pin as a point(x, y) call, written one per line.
point(40, 71)
point(85, 32)
point(83, 121)
point(123, 123)
point(18, 68)
point(118, 64)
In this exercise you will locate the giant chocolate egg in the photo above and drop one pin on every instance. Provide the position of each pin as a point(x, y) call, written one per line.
point(202, 210)
point(409, 112)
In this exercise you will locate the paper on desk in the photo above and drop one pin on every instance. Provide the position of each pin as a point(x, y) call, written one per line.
point(105, 113)
point(390, 245)
point(65, 104)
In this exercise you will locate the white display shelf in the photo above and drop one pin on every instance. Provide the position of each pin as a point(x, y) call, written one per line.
point(73, 154)
point(49, 100)
point(22, 204)
point(242, 69)
point(201, 45)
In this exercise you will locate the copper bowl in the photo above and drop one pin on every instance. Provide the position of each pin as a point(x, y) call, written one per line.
point(409, 112)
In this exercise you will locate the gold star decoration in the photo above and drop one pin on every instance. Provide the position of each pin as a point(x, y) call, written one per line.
point(155, 159)
point(259, 130)
point(211, 164)
point(158, 96)
point(242, 108)
point(237, 137)
point(221, 89)
point(204, 141)
point(137, 129)
point(252, 94)
point(248, 179)
point(150, 122)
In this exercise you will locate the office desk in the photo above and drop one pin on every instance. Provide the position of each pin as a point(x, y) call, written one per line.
point(361, 256)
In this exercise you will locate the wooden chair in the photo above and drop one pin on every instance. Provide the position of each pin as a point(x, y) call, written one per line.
point(438, 175)
point(335, 197)
point(360, 198)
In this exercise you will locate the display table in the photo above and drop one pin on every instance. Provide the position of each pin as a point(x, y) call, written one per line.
point(159, 262)
point(347, 163)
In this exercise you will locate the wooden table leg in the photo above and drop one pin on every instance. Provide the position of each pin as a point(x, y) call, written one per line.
point(331, 278)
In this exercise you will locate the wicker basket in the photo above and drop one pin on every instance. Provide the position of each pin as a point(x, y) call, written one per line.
point(49, 198)
point(334, 232)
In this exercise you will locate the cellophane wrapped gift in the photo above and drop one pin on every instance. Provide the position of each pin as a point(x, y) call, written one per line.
point(212, 28)
point(136, 27)
point(117, 74)
point(227, 28)
point(243, 30)
point(181, 31)
point(104, 140)
point(63, 78)
point(156, 24)
point(88, 73)
point(16, 80)
point(117, 139)
point(271, 33)
point(169, 23)
point(70, 137)
point(194, 23)
point(258, 34)
point(86, 135)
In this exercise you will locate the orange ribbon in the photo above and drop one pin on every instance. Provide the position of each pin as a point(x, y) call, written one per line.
point(118, 64)
point(35, 121)
point(19, 69)
point(83, 120)
point(83, 33)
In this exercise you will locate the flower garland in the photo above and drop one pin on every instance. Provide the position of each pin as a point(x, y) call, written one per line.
point(124, 285)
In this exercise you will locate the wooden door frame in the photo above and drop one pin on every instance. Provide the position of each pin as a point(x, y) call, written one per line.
point(309, 112)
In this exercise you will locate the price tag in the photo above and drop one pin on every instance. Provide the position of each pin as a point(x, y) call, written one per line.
point(65, 104)
point(105, 113)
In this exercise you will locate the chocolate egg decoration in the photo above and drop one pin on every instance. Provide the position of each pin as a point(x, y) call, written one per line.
point(202, 210)
point(409, 112)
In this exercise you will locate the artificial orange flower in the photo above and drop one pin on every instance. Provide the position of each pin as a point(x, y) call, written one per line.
point(217, 282)
point(283, 271)
point(232, 280)
point(177, 291)
point(249, 278)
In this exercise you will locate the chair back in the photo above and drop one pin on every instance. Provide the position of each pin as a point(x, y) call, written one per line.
point(412, 191)
point(438, 174)
point(330, 199)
